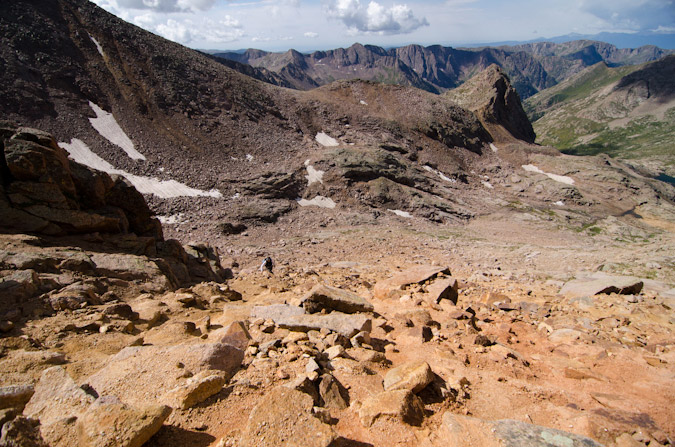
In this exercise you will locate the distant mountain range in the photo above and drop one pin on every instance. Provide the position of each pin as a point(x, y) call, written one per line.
point(532, 67)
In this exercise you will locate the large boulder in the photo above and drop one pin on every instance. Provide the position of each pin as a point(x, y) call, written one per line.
point(294, 318)
point(331, 298)
point(600, 283)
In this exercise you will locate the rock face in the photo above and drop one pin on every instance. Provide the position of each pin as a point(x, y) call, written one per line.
point(496, 104)
point(44, 192)
point(294, 318)
point(283, 417)
point(467, 431)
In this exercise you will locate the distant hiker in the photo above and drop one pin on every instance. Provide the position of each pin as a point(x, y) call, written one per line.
point(267, 264)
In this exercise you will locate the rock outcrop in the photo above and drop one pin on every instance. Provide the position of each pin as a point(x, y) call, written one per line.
point(496, 103)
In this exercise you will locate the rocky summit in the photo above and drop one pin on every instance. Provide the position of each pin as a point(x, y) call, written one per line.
point(192, 254)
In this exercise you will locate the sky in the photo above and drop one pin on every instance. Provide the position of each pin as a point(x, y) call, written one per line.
point(307, 25)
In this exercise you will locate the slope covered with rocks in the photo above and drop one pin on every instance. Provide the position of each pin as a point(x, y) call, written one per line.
point(435, 279)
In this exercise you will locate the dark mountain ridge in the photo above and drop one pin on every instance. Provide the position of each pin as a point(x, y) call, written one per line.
point(531, 67)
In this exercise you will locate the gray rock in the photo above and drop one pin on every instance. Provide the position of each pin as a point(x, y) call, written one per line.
point(293, 318)
point(333, 394)
point(331, 298)
point(464, 431)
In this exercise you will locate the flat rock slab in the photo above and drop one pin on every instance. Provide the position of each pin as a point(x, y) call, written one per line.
point(140, 375)
point(56, 397)
point(331, 298)
point(294, 318)
point(415, 275)
point(109, 422)
point(464, 431)
point(602, 284)
point(283, 417)
point(444, 289)
point(15, 396)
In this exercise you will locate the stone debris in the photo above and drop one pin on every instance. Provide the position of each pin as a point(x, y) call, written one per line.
point(294, 318)
point(196, 389)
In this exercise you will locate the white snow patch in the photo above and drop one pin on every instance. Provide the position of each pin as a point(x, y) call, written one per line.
point(107, 126)
point(236, 196)
point(558, 178)
point(487, 184)
point(363, 102)
point(559, 203)
point(98, 45)
point(313, 175)
point(405, 214)
point(249, 157)
point(326, 140)
point(164, 189)
point(440, 174)
point(320, 201)
point(171, 219)
point(493, 147)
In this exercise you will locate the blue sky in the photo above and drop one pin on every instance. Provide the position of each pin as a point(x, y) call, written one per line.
point(278, 25)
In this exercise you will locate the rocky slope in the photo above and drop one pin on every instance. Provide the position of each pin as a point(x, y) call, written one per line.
point(531, 67)
point(626, 112)
point(434, 280)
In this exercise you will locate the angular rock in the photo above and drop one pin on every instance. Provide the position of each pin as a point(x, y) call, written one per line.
point(284, 417)
point(303, 384)
point(412, 376)
point(600, 283)
point(564, 335)
point(235, 334)
point(331, 298)
point(293, 318)
point(464, 431)
point(108, 422)
point(195, 390)
point(149, 311)
point(333, 394)
point(56, 397)
point(400, 405)
point(74, 297)
point(131, 267)
point(415, 275)
point(139, 375)
point(15, 396)
point(444, 289)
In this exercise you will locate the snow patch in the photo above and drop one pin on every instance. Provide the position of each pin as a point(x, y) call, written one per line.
point(493, 147)
point(171, 219)
point(558, 178)
point(362, 102)
point(98, 45)
point(164, 189)
point(313, 175)
point(320, 201)
point(440, 174)
point(487, 184)
point(326, 140)
point(559, 203)
point(405, 214)
point(249, 157)
point(107, 126)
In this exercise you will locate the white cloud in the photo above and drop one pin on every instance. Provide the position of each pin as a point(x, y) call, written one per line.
point(311, 34)
point(228, 29)
point(636, 15)
point(374, 18)
point(161, 5)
